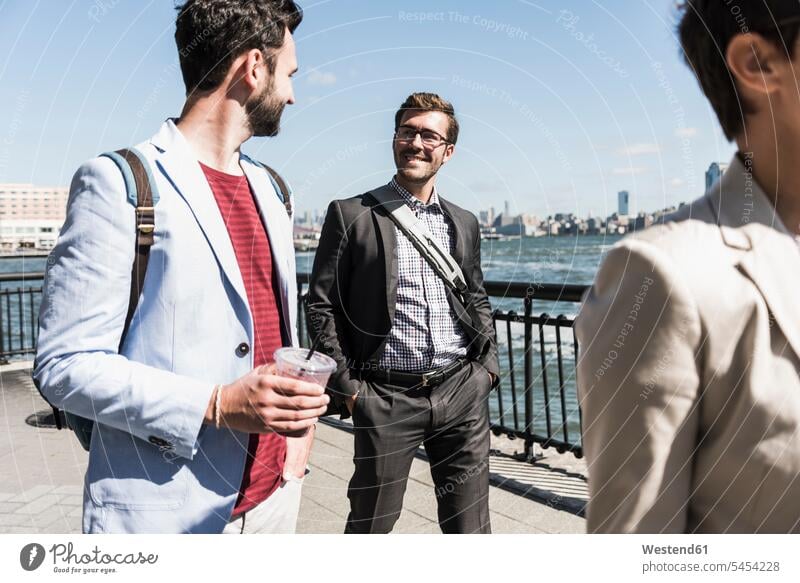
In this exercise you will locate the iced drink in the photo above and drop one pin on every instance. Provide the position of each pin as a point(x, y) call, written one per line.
point(293, 363)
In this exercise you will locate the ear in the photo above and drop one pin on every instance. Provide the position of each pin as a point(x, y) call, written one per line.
point(449, 150)
point(757, 65)
point(253, 69)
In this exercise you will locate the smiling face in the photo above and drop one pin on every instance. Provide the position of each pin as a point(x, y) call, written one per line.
point(415, 161)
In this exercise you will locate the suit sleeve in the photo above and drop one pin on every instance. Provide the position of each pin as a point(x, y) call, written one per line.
point(638, 382)
point(82, 314)
point(480, 302)
point(326, 317)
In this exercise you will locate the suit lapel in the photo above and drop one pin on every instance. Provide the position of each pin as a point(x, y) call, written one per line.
point(388, 235)
point(773, 265)
point(771, 257)
point(277, 224)
point(184, 172)
point(460, 232)
point(466, 314)
point(386, 230)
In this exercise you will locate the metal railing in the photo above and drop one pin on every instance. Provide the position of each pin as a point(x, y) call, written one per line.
point(537, 398)
point(19, 310)
point(548, 356)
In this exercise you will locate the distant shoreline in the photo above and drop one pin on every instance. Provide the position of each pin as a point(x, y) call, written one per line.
point(23, 255)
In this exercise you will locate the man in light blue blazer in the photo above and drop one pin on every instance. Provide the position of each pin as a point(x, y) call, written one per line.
point(160, 462)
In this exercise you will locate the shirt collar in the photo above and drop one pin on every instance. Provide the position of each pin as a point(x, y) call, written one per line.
point(413, 201)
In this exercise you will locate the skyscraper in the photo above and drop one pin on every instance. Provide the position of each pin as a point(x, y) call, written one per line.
point(622, 203)
point(507, 211)
point(714, 172)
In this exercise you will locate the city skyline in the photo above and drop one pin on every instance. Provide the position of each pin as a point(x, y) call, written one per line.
point(488, 215)
point(580, 102)
point(31, 217)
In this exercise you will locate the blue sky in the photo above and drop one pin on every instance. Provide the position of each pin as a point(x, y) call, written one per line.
point(561, 104)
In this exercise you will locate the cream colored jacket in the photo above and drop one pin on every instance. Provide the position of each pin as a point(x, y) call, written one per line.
point(688, 371)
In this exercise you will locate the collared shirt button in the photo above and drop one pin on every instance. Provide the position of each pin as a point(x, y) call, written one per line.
point(243, 349)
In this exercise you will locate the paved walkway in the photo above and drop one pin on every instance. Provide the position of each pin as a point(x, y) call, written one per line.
point(42, 477)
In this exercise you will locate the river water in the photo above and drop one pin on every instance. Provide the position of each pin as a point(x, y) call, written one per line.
point(556, 260)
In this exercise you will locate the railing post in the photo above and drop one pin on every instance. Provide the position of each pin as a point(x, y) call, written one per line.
point(3, 359)
point(561, 384)
point(529, 455)
point(579, 452)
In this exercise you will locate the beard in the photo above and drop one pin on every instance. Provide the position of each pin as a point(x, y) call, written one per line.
point(264, 113)
point(422, 171)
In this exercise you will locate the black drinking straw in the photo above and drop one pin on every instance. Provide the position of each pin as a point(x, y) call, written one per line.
point(314, 348)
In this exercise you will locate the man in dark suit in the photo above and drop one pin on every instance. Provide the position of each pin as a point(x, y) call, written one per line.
point(416, 359)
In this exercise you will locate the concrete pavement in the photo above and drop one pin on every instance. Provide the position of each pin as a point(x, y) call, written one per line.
point(42, 477)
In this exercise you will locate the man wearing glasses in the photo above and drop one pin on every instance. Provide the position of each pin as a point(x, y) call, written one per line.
point(416, 363)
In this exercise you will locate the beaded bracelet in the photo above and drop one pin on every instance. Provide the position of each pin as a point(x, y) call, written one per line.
point(218, 405)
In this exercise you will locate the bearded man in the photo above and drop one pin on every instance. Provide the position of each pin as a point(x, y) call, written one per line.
point(190, 432)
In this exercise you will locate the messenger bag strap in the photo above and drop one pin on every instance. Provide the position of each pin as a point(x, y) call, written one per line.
point(423, 240)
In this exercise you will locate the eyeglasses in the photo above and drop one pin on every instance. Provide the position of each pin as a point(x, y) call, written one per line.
point(430, 139)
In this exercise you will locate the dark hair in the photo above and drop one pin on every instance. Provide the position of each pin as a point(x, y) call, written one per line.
point(210, 34)
point(429, 102)
point(706, 28)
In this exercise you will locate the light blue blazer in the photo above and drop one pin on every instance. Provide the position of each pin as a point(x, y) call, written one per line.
point(153, 466)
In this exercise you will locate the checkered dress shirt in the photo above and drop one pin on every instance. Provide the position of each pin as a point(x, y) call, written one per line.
point(425, 333)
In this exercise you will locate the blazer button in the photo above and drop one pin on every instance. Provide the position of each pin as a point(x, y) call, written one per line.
point(243, 349)
point(160, 443)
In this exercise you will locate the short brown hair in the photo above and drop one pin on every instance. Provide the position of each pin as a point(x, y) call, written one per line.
point(211, 34)
point(706, 28)
point(430, 102)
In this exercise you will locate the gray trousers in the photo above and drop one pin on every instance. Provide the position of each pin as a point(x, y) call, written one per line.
point(452, 421)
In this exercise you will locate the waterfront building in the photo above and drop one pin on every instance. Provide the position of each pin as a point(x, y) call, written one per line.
point(714, 172)
point(642, 221)
point(31, 216)
point(623, 203)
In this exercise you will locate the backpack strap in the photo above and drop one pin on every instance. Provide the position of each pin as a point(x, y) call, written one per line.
point(282, 188)
point(143, 194)
point(285, 193)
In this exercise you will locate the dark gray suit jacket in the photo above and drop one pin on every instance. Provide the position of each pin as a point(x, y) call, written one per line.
point(353, 289)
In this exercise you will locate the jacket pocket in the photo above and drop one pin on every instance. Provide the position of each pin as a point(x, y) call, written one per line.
point(127, 473)
point(359, 402)
point(485, 379)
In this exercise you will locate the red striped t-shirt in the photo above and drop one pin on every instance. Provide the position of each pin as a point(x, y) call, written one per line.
point(267, 452)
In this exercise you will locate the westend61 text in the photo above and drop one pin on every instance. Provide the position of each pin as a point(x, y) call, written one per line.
point(674, 550)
